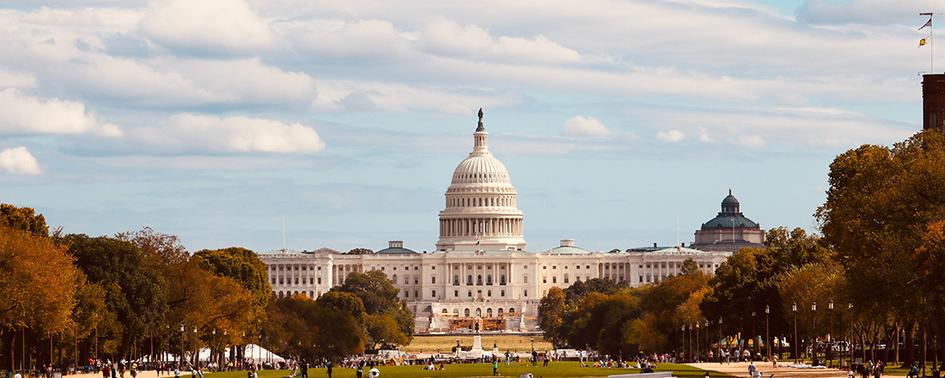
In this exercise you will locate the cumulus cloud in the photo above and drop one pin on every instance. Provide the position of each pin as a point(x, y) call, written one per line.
point(445, 36)
point(23, 114)
point(347, 95)
point(14, 79)
point(368, 39)
point(19, 161)
point(671, 135)
point(219, 26)
point(580, 126)
point(205, 134)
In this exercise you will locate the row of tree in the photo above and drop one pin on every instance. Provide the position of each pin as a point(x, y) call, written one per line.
point(141, 295)
point(873, 276)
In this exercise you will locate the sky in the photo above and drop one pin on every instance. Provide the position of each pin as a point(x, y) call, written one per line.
point(622, 123)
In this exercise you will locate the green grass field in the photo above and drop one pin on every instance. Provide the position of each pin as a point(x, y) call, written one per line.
point(556, 369)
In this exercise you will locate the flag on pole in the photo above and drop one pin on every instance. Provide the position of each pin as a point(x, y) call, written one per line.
point(922, 42)
point(927, 24)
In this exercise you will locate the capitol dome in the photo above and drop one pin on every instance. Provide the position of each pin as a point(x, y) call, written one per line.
point(481, 212)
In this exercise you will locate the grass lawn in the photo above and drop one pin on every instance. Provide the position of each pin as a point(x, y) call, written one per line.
point(515, 343)
point(556, 369)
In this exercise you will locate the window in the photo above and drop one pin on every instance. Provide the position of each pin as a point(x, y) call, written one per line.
point(319, 280)
point(406, 294)
point(544, 266)
point(479, 280)
point(489, 293)
point(554, 267)
point(469, 280)
point(502, 280)
point(456, 280)
point(456, 293)
point(502, 293)
point(469, 293)
point(416, 280)
point(526, 294)
point(433, 267)
point(525, 279)
point(544, 279)
point(554, 279)
point(566, 278)
point(433, 279)
point(433, 294)
point(511, 310)
point(444, 310)
point(489, 279)
point(416, 294)
point(466, 312)
point(394, 279)
point(499, 312)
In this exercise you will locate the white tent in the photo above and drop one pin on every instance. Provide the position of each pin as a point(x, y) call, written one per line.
point(252, 351)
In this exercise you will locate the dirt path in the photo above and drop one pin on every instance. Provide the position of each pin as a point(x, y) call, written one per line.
point(740, 369)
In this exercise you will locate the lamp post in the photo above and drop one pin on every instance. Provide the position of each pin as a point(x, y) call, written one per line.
point(180, 356)
point(682, 338)
point(830, 335)
point(213, 344)
point(753, 334)
point(813, 337)
point(767, 333)
point(708, 345)
point(794, 310)
point(697, 352)
point(720, 339)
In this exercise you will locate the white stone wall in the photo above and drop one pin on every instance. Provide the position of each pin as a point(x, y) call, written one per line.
point(427, 285)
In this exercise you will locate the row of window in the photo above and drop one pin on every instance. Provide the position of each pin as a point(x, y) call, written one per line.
point(305, 281)
point(488, 201)
point(478, 312)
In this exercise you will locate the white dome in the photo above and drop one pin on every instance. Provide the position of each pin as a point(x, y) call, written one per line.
point(481, 169)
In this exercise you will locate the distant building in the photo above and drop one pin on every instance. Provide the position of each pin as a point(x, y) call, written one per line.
point(480, 272)
point(933, 102)
point(730, 230)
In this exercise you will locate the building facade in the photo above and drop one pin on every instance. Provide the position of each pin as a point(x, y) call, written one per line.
point(481, 271)
point(730, 230)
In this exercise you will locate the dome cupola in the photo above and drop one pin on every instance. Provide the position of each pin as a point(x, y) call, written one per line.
point(481, 210)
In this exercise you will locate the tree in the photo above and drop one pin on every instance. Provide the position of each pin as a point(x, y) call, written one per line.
point(379, 296)
point(882, 204)
point(24, 219)
point(579, 289)
point(551, 314)
point(240, 264)
point(361, 251)
point(166, 248)
point(38, 286)
point(135, 290)
point(315, 330)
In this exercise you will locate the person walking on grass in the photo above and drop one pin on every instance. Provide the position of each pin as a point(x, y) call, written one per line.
point(495, 366)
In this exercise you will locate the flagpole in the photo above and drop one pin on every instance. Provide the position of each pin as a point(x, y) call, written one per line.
point(931, 43)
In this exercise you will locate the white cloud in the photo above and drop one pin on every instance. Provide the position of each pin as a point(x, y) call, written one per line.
point(215, 25)
point(244, 80)
point(22, 114)
point(193, 133)
point(350, 95)
point(580, 126)
point(368, 39)
point(445, 36)
point(750, 141)
point(19, 161)
point(671, 135)
point(14, 79)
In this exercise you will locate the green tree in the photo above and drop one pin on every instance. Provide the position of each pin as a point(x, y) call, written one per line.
point(135, 290)
point(240, 264)
point(379, 296)
point(23, 218)
point(551, 314)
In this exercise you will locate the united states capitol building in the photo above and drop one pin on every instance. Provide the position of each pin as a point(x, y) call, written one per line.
point(482, 271)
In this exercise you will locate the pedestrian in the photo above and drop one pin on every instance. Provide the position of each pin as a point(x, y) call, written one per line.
point(303, 369)
point(105, 372)
point(495, 366)
point(329, 368)
point(752, 370)
point(360, 372)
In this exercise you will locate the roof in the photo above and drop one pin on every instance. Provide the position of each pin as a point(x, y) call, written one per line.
point(728, 220)
point(568, 250)
point(396, 251)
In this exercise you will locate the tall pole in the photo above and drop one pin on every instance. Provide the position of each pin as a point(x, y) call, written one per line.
point(720, 339)
point(830, 335)
point(813, 331)
point(931, 42)
point(767, 333)
point(794, 310)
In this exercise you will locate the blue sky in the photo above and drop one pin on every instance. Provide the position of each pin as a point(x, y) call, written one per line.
point(622, 123)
